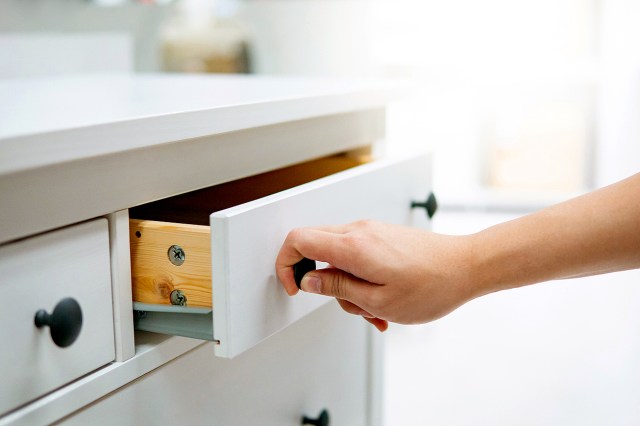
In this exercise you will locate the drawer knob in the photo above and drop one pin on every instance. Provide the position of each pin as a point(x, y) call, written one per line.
point(321, 420)
point(64, 322)
point(430, 205)
point(301, 268)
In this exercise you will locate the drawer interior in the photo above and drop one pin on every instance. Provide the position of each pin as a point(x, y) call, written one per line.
point(195, 207)
point(181, 223)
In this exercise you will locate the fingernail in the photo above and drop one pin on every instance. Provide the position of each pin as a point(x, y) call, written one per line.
point(310, 284)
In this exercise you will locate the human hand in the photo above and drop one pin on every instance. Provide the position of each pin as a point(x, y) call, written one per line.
point(382, 272)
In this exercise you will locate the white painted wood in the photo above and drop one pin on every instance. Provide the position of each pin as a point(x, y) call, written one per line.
point(102, 185)
point(70, 152)
point(121, 284)
point(249, 303)
point(315, 364)
point(375, 377)
point(36, 274)
point(152, 351)
point(47, 121)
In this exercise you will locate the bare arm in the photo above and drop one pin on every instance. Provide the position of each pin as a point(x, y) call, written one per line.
point(593, 234)
point(392, 273)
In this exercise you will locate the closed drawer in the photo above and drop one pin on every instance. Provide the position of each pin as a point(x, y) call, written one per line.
point(218, 246)
point(37, 274)
point(263, 387)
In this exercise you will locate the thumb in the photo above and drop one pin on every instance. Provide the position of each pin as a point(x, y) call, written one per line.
point(333, 282)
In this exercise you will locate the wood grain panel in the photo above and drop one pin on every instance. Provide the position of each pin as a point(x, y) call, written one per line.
point(154, 277)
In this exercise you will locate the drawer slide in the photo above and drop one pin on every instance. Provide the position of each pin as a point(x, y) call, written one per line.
point(196, 323)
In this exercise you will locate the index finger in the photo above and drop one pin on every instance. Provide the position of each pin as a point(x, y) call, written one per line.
point(314, 243)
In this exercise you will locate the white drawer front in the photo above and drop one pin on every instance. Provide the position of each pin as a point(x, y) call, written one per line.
point(292, 374)
point(36, 274)
point(250, 304)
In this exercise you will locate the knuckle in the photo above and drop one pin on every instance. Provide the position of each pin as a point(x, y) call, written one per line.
point(355, 242)
point(338, 286)
point(376, 301)
point(295, 235)
point(358, 248)
point(364, 223)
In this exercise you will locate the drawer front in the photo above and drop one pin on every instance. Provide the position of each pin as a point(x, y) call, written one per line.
point(250, 304)
point(300, 371)
point(37, 274)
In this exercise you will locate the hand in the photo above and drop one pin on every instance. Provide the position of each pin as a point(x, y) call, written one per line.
point(382, 272)
point(393, 273)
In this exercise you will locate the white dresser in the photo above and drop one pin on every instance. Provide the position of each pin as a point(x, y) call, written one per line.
point(188, 184)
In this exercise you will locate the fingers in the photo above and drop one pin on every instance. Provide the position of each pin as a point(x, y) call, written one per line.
point(328, 244)
point(325, 244)
point(285, 275)
point(380, 324)
point(333, 244)
point(349, 307)
point(353, 309)
point(339, 284)
point(312, 243)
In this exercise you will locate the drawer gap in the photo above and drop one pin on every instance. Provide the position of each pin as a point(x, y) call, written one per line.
point(196, 207)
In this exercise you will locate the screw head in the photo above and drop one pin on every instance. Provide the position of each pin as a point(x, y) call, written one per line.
point(177, 297)
point(176, 255)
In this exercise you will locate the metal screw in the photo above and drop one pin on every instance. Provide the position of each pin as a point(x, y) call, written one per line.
point(178, 298)
point(176, 255)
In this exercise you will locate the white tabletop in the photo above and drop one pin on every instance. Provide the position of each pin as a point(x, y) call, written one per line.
point(45, 121)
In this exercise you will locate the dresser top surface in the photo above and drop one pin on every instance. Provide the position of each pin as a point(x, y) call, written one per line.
point(50, 120)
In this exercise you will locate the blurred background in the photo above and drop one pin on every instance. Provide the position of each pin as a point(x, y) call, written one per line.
point(523, 102)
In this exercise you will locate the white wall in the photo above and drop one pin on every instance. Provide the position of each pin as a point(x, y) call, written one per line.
point(77, 17)
point(46, 54)
point(310, 37)
point(497, 83)
point(618, 150)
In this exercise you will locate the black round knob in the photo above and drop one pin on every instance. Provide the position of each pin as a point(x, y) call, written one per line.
point(321, 420)
point(430, 205)
point(301, 268)
point(64, 322)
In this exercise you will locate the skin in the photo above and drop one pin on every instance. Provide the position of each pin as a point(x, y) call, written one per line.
point(405, 275)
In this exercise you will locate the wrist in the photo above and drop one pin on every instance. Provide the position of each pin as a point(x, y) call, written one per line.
point(483, 272)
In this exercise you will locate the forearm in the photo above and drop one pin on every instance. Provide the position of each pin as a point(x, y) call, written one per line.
point(596, 233)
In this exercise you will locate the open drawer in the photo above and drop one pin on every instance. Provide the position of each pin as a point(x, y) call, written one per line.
point(216, 248)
